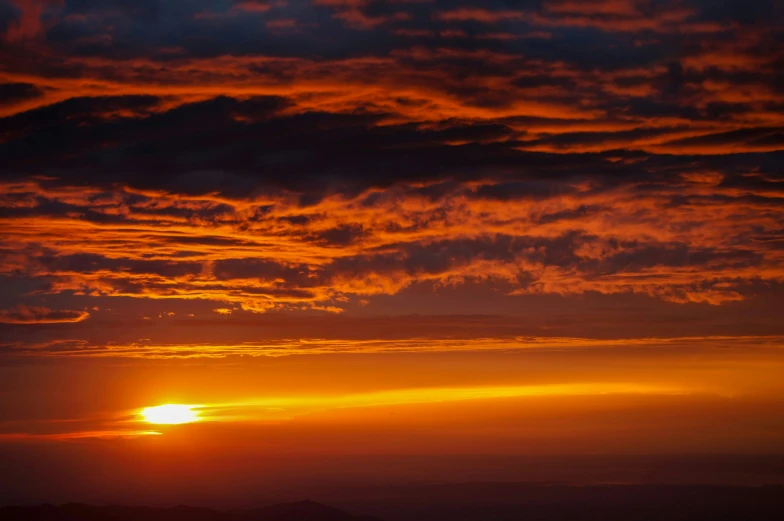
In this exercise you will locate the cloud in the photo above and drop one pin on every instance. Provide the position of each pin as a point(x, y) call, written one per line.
point(316, 250)
point(40, 315)
point(316, 346)
point(333, 154)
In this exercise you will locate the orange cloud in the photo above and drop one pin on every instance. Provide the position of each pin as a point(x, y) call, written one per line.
point(317, 346)
point(566, 239)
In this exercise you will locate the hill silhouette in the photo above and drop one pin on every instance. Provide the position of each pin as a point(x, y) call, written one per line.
point(469, 502)
point(297, 511)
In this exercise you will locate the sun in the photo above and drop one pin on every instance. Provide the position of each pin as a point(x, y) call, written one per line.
point(170, 414)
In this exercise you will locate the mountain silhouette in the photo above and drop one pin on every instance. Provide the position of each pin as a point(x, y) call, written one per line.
point(297, 511)
point(470, 502)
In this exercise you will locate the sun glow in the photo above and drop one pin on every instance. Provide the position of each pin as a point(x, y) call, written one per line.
point(170, 414)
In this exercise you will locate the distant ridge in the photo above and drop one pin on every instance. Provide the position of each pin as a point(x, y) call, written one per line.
point(300, 510)
point(470, 501)
point(296, 511)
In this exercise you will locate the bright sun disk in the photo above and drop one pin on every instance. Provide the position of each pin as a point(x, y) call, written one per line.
point(170, 414)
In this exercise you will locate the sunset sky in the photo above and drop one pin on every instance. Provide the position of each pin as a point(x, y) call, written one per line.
point(338, 228)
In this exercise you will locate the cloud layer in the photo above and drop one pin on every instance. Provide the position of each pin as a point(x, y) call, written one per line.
point(320, 156)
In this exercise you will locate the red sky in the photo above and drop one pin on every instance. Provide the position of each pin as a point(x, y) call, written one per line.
point(377, 227)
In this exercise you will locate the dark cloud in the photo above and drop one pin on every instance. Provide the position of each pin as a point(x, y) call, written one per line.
point(89, 263)
point(40, 315)
point(749, 136)
point(340, 236)
point(533, 190)
point(11, 93)
point(260, 269)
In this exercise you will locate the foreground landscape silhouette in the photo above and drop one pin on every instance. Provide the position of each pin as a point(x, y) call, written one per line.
point(302, 511)
point(468, 502)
